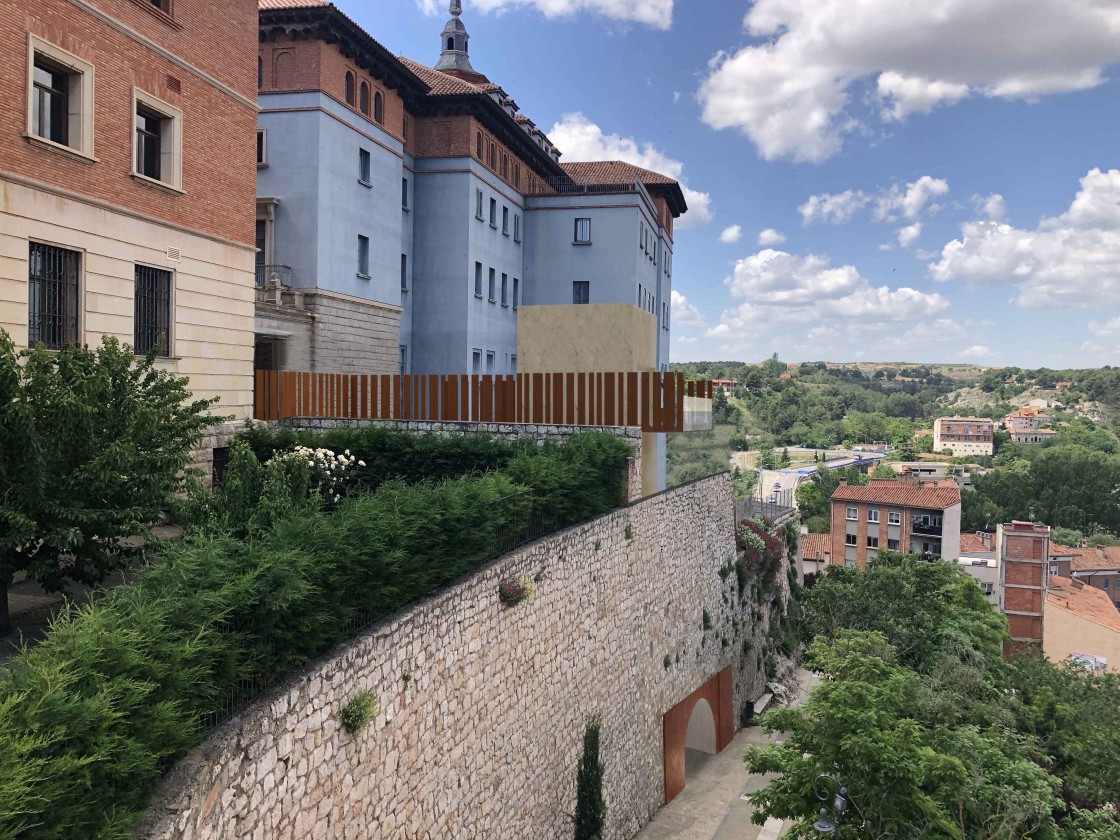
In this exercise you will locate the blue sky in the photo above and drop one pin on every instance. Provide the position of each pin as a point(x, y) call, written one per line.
point(938, 179)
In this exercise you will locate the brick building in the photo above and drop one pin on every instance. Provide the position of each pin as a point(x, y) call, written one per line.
point(964, 435)
point(127, 181)
point(1097, 567)
point(894, 514)
point(407, 212)
point(1023, 549)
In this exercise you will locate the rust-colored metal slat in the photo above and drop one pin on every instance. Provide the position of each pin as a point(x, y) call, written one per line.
point(673, 411)
point(632, 405)
point(610, 404)
point(486, 395)
point(570, 398)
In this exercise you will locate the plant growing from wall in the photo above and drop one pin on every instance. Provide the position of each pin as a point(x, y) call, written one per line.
point(591, 810)
point(515, 589)
point(629, 532)
point(358, 711)
point(667, 661)
point(706, 621)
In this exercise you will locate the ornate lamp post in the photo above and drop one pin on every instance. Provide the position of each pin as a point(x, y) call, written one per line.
point(824, 825)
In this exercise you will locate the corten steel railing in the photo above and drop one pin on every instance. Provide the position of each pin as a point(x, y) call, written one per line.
point(654, 402)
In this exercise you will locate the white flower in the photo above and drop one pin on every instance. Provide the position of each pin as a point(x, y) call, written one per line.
point(361, 463)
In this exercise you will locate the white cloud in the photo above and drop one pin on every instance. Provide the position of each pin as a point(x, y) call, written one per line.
point(834, 208)
point(991, 206)
point(655, 13)
point(676, 96)
point(908, 234)
point(580, 139)
point(1108, 328)
point(685, 339)
point(782, 288)
point(771, 237)
point(731, 234)
point(1071, 260)
point(684, 313)
point(975, 353)
point(791, 90)
point(910, 202)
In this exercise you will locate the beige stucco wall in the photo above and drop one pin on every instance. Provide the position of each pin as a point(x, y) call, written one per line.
point(585, 338)
point(1065, 632)
point(212, 310)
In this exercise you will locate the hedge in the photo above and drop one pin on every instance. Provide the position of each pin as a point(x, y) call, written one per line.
point(119, 690)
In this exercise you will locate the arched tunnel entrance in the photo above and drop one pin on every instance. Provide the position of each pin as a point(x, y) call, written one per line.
point(702, 723)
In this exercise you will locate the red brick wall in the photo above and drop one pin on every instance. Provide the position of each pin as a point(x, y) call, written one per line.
point(1025, 574)
point(1025, 627)
point(219, 132)
point(1022, 547)
point(1022, 600)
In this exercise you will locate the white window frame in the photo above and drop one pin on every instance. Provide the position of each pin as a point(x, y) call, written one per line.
point(894, 517)
point(873, 515)
point(872, 541)
point(852, 514)
point(478, 205)
point(81, 93)
point(171, 148)
point(851, 539)
point(575, 231)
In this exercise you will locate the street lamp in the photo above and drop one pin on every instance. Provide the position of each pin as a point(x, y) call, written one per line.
point(839, 797)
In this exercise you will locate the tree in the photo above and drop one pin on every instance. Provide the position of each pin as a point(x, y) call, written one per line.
point(591, 810)
point(773, 367)
point(785, 460)
point(95, 445)
point(883, 471)
point(924, 443)
point(906, 450)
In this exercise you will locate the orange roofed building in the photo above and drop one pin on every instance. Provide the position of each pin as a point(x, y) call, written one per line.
point(897, 515)
point(1081, 623)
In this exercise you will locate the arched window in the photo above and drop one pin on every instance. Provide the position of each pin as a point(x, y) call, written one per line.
point(349, 88)
point(494, 156)
point(517, 175)
point(478, 145)
point(283, 71)
point(260, 72)
point(363, 98)
point(451, 43)
point(505, 165)
point(378, 107)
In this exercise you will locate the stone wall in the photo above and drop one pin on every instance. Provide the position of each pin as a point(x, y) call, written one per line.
point(502, 431)
point(353, 335)
point(482, 707)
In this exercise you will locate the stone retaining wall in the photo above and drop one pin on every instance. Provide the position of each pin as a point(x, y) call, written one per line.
point(482, 707)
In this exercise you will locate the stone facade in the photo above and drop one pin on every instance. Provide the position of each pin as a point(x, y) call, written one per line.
point(502, 431)
point(352, 335)
point(482, 707)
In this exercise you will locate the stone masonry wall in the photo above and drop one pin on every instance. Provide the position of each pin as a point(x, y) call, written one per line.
point(482, 707)
point(503, 431)
point(352, 336)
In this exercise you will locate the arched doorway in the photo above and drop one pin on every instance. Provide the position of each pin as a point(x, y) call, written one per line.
point(698, 726)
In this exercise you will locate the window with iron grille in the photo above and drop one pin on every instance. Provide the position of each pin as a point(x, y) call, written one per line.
point(52, 296)
point(581, 291)
point(218, 467)
point(152, 321)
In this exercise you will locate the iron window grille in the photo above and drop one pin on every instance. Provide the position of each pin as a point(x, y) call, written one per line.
point(51, 103)
point(52, 296)
point(152, 311)
point(581, 291)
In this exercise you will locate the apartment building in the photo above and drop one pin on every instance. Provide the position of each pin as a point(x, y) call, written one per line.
point(1081, 624)
point(894, 514)
point(127, 181)
point(1023, 549)
point(407, 212)
point(964, 435)
point(1098, 567)
point(979, 560)
point(1026, 419)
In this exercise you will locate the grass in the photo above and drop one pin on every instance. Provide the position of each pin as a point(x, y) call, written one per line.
point(693, 455)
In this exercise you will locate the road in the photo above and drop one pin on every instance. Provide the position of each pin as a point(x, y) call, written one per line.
point(779, 485)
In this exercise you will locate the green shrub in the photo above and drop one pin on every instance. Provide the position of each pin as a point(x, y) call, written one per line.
point(591, 810)
point(358, 711)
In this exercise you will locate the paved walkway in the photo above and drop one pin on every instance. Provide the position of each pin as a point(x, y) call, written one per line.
point(711, 806)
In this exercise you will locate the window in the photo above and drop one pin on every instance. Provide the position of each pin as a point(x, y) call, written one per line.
point(513, 369)
point(516, 227)
point(583, 231)
point(378, 107)
point(505, 165)
point(349, 84)
point(363, 256)
point(490, 286)
point(478, 149)
point(262, 148)
point(872, 542)
point(1104, 583)
point(478, 204)
point(850, 539)
point(581, 291)
point(872, 515)
point(363, 166)
point(494, 213)
point(450, 42)
point(892, 545)
point(60, 98)
point(363, 99)
point(852, 514)
point(665, 315)
point(641, 235)
point(489, 361)
point(505, 221)
point(505, 289)
point(218, 466)
point(260, 72)
point(894, 517)
point(156, 140)
point(493, 155)
point(152, 311)
point(404, 272)
point(517, 175)
point(1053, 570)
point(478, 280)
point(516, 289)
point(476, 361)
point(404, 193)
point(52, 296)
point(987, 587)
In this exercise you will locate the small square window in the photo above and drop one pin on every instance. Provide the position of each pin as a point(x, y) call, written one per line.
point(872, 542)
point(1053, 570)
point(853, 513)
point(872, 515)
point(363, 166)
point(850, 539)
point(581, 291)
point(363, 256)
point(490, 286)
point(894, 517)
point(892, 545)
point(583, 231)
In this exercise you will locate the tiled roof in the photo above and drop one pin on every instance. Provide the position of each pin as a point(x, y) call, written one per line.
point(933, 494)
point(443, 84)
point(1088, 559)
point(814, 546)
point(614, 172)
point(1086, 601)
point(972, 544)
point(291, 4)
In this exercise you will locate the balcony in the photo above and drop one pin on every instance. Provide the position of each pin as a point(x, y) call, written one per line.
point(281, 274)
point(928, 529)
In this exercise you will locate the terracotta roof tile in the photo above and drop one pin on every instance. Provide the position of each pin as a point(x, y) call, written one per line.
point(1087, 601)
point(814, 546)
point(291, 4)
point(971, 543)
point(1088, 559)
point(441, 83)
point(614, 172)
point(933, 494)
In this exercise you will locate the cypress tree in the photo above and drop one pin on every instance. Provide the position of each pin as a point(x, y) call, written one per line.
point(591, 811)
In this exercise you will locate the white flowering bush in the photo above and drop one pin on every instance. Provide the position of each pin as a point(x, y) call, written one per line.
point(328, 469)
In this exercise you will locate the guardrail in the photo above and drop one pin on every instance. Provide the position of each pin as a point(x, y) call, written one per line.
point(265, 273)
